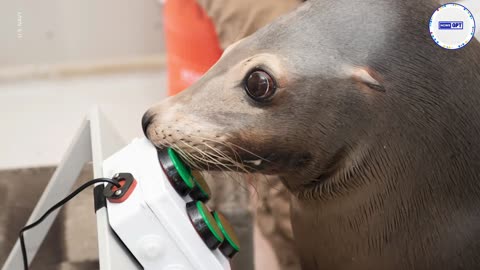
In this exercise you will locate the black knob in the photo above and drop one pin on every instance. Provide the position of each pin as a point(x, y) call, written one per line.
point(205, 224)
point(183, 180)
point(231, 246)
point(177, 172)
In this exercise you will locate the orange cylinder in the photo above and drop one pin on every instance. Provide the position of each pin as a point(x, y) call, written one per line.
point(191, 42)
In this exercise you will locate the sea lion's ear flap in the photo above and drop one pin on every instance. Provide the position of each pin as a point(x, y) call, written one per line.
point(367, 78)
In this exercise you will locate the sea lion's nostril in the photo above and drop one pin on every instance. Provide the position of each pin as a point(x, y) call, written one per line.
point(146, 120)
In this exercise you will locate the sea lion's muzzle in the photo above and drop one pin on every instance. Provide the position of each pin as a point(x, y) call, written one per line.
point(146, 120)
point(209, 147)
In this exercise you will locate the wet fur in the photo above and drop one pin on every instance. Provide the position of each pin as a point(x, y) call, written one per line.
point(380, 179)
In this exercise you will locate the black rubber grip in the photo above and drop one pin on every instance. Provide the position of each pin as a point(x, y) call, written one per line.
point(99, 200)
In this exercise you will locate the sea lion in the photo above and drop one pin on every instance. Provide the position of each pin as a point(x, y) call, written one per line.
point(269, 207)
point(373, 128)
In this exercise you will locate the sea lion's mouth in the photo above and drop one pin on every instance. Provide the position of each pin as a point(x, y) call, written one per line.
point(225, 151)
point(274, 161)
point(224, 159)
point(256, 162)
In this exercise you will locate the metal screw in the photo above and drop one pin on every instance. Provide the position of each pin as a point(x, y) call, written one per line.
point(118, 192)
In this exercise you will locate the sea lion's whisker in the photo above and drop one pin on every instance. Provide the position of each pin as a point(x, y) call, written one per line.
point(217, 155)
point(219, 142)
point(218, 159)
point(207, 159)
point(231, 145)
point(191, 160)
point(227, 158)
point(188, 158)
point(204, 157)
point(228, 161)
point(231, 175)
point(247, 151)
point(236, 161)
point(234, 151)
point(218, 164)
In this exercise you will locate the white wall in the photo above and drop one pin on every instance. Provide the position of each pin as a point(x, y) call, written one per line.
point(39, 118)
point(59, 31)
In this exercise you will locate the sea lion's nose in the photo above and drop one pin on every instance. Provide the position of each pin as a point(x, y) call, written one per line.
point(146, 120)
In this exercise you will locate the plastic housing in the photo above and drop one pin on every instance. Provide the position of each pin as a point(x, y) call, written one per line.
point(153, 222)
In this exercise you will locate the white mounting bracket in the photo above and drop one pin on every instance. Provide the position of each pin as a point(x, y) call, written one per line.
point(94, 142)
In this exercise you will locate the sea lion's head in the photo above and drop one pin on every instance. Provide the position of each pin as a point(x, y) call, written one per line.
point(301, 96)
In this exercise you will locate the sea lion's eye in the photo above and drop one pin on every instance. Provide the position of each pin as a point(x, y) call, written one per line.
point(259, 85)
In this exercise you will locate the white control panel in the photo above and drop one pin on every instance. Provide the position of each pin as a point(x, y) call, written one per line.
point(152, 221)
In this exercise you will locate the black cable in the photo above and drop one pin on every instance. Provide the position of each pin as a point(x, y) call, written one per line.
point(53, 208)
